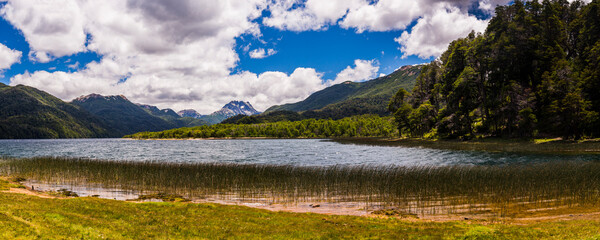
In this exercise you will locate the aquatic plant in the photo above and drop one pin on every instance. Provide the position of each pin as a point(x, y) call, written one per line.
point(419, 189)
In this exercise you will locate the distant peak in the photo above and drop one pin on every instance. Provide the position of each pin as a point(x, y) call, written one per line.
point(236, 108)
point(94, 96)
point(189, 113)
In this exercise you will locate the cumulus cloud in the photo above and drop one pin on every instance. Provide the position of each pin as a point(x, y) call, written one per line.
point(384, 15)
point(205, 95)
point(261, 53)
point(170, 52)
point(8, 57)
point(431, 35)
point(314, 15)
point(450, 18)
point(490, 5)
point(52, 28)
point(270, 88)
point(362, 15)
point(363, 70)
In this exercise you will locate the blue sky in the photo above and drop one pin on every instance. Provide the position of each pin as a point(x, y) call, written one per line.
point(201, 54)
point(327, 51)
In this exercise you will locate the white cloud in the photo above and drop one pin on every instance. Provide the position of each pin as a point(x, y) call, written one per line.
point(171, 51)
point(8, 57)
point(261, 53)
point(315, 15)
point(432, 34)
point(51, 27)
point(270, 88)
point(363, 70)
point(490, 5)
point(74, 65)
point(386, 15)
point(362, 15)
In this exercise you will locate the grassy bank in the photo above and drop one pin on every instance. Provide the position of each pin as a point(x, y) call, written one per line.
point(31, 217)
point(495, 190)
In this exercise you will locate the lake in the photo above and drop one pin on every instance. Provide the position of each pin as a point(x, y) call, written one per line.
point(303, 152)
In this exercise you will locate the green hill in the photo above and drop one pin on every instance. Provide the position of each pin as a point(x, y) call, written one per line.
point(122, 115)
point(27, 112)
point(355, 98)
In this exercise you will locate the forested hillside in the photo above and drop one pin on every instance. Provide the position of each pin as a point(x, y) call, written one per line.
point(26, 112)
point(348, 94)
point(534, 72)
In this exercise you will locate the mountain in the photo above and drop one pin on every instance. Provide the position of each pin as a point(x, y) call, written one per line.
point(172, 117)
point(351, 98)
point(121, 115)
point(189, 113)
point(231, 109)
point(26, 112)
point(167, 113)
point(125, 117)
point(341, 100)
point(374, 94)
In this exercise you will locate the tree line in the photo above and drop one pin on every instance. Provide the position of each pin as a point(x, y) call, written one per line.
point(356, 126)
point(534, 72)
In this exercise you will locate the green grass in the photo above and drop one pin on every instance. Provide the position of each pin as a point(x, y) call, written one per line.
point(30, 217)
point(501, 191)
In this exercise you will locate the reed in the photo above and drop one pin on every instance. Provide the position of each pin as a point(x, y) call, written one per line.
point(418, 189)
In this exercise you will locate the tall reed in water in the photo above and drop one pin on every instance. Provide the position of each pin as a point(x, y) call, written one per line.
point(420, 188)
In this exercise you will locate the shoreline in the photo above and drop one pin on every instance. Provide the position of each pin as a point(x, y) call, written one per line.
point(355, 209)
point(333, 208)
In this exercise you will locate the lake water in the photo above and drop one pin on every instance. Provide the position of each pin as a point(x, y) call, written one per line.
point(306, 152)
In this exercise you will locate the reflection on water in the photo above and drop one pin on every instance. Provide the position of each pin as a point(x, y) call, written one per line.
point(87, 190)
point(306, 152)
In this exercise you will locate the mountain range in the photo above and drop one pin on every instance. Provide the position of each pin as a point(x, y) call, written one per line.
point(124, 117)
point(342, 100)
point(27, 112)
point(230, 109)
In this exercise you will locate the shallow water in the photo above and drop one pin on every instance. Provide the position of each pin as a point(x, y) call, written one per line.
point(305, 152)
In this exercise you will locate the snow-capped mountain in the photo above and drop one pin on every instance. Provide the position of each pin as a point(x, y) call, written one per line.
point(189, 113)
point(231, 109)
point(234, 108)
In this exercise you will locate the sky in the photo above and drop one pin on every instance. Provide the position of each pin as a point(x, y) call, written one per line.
point(201, 54)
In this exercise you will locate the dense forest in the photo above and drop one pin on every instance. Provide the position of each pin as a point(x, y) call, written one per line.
point(26, 112)
point(534, 72)
point(357, 126)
